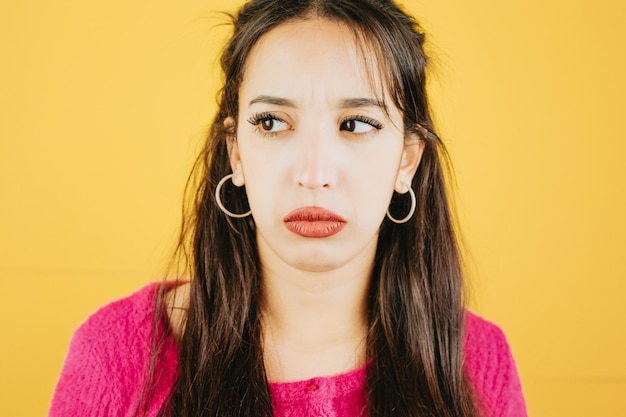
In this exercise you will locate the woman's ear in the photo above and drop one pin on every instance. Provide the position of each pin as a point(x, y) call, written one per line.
point(411, 157)
point(233, 151)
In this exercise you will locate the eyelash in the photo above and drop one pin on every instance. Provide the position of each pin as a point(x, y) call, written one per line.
point(259, 117)
point(372, 122)
point(256, 119)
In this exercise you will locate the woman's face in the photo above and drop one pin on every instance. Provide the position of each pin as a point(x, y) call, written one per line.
point(319, 154)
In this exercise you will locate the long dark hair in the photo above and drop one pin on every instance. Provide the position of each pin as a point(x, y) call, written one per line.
point(415, 304)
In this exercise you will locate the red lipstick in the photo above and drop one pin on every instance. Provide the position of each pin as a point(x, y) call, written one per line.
point(314, 222)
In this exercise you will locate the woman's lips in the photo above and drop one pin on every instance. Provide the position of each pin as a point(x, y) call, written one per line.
point(314, 222)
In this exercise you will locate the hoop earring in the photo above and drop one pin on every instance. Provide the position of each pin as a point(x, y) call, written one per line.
point(219, 201)
point(411, 212)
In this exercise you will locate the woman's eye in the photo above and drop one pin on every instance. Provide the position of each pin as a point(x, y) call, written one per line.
point(273, 125)
point(360, 125)
point(268, 123)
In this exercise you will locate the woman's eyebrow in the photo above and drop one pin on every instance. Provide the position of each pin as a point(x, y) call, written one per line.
point(350, 103)
point(278, 101)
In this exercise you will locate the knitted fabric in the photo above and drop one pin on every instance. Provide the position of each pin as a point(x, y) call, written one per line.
point(103, 373)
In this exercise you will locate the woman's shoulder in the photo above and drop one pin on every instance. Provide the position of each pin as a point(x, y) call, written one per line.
point(491, 367)
point(124, 316)
point(483, 336)
point(107, 357)
point(133, 315)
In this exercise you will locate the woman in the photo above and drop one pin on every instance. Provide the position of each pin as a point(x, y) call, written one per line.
point(325, 273)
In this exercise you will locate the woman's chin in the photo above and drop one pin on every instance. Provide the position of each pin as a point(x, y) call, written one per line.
point(316, 263)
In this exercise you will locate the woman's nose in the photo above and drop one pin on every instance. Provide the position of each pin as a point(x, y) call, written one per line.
point(316, 166)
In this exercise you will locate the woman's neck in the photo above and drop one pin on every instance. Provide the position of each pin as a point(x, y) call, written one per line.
point(314, 323)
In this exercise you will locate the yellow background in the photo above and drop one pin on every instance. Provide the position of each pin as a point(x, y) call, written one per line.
point(103, 105)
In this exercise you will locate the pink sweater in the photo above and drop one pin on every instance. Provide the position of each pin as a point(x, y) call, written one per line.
point(102, 374)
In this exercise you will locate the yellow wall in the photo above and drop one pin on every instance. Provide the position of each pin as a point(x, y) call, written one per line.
point(103, 104)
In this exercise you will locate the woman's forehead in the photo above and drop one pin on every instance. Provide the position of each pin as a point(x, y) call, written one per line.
point(310, 58)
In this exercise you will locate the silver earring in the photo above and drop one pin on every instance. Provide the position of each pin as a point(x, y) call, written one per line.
point(219, 201)
point(411, 212)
